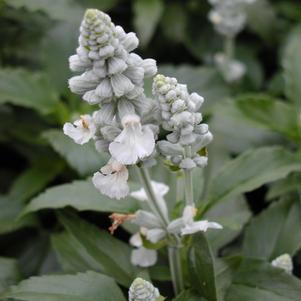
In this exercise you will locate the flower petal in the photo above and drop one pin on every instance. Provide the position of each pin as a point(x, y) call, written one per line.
point(143, 257)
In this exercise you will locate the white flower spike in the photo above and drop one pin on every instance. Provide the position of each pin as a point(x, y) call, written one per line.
point(134, 142)
point(82, 130)
point(112, 180)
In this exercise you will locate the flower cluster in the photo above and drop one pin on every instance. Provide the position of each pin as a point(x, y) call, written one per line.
point(124, 124)
point(142, 290)
point(154, 230)
point(229, 16)
point(180, 116)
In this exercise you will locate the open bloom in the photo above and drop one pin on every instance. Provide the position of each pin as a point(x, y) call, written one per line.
point(232, 70)
point(134, 142)
point(160, 190)
point(82, 130)
point(186, 224)
point(141, 256)
point(111, 180)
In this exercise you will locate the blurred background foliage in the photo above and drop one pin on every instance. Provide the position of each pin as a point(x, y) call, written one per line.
point(38, 36)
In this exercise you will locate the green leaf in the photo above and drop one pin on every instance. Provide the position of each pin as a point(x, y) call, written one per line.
point(9, 212)
point(233, 215)
point(34, 179)
point(98, 250)
point(288, 185)
point(262, 19)
point(269, 234)
point(101, 5)
point(247, 172)
point(83, 158)
point(226, 121)
point(201, 267)
point(204, 80)
point(27, 89)
point(88, 286)
point(225, 269)
point(71, 255)
point(189, 295)
point(256, 280)
point(81, 195)
point(292, 67)
point(9, 273)
point(174, 22)
point(147, 14)
point(56, 9)
point(270, 114)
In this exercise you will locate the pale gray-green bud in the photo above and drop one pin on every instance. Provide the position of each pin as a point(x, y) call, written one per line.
point(284, 262)
point(142, 290)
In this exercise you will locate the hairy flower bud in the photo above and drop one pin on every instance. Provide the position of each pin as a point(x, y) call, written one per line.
point(179, 112)
point(284, 262)
point(142, 290)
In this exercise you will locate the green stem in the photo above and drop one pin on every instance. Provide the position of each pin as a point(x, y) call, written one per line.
point(173, 251)
point(188, 180)
point(229, 48)
point(174, 257)
point(153, 201)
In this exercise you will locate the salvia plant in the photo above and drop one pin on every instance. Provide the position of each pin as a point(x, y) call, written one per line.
point(127, 125)
point(142, 181)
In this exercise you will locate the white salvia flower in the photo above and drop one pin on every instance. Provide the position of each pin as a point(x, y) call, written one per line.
point(160, 190)
point(142, 290)
point(284, 262)
point(112, 180)
point(232, 70)
point(186, 224)
point(82, 130)
point(141, 256)
point(134, 143)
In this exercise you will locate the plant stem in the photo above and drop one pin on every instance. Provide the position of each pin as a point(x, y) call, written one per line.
point(229, 48)
point(153, 201)
point(188, 180)
point(173, 251)
point(175, 268)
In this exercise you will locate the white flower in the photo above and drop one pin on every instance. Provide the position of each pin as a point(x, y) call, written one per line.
point(134, 142)
point(284, 262)
point(144, 257)
point(82, 130)
point(160, 189)
point(112, 180)
point(141, 256)
point(186, 224)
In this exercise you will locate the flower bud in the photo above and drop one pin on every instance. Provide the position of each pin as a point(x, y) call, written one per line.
point(142, 290)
